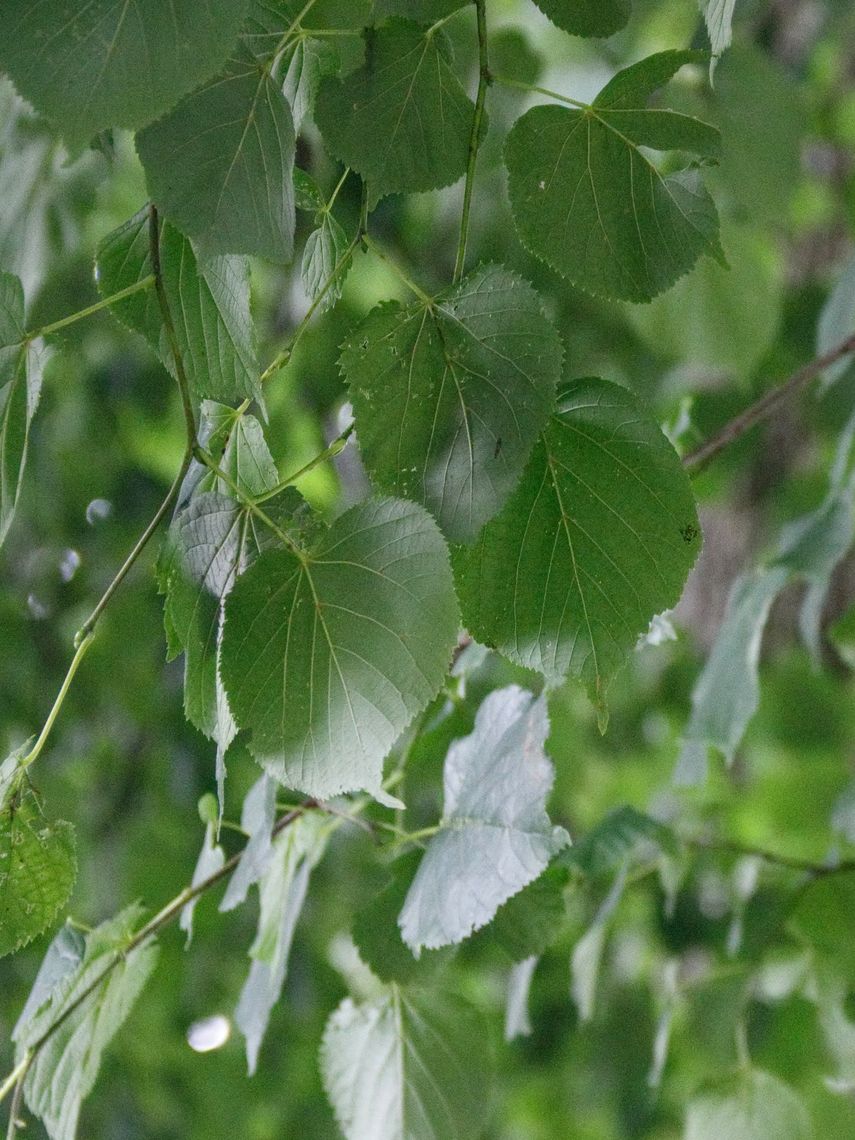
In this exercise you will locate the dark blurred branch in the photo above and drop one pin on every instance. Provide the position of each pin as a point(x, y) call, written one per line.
point(764, 408)
point(731, 846)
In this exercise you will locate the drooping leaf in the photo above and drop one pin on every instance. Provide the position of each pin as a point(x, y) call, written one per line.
point(406, 1066)
point(257, 817)
point(517, 1021)
point(836, 323)
point(232, 188)
point(328, 656)
point(211, 859)
point(208, 302)
point(324, 249)
point(311, 60)
point(599, 536)
point(38, 866)
point(718, 17)
point(588, 951)
point(617, 839)
point(282, 887)
point(104, 64)
point(63, 956)
point(587, 17)
point(66, 1066)
point(20, 387)
point(402, 121)
point(590, 203)
point(449, 398)
point(726, 695)
point(750, 1106)
point(495, 836)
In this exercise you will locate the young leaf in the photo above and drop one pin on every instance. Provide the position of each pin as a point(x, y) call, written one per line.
point(517, 1022)
point(599, 536)
point(208, 302)
point(232, 188)
point(20, 387)
point(106, 64)
point(751, 1106)
point(282, 888)
point(38, 866)
point(325, 248)
point(495, 836)
point(727, 693)
point(718, 17)
point(328, 656)
point(449, 398)
point(312, 59)
point(588, 951)
point(406, 1066)
point(587, 200)
point(587, 17)
point(402, 120)
point(66, 1066)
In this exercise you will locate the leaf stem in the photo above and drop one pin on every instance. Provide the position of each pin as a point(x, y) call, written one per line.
point(15, 1108)
point(764, 408)
point(282, 358)
point(72, 318)
point(530, 87)
point(17, 1073)
point(378, 251)
point(484, 81)
point(792, 863)
point(335, 448)
point(335, 192)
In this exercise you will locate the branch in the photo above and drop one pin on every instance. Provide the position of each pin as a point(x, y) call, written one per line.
point(484, 81)
point(764, 408)
point(732, 846)
point(164, 917)
point(106, 303)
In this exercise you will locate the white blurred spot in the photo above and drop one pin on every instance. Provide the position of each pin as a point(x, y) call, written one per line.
point(98, 510)
point(69, 564)
point(210, 1033)
point(37, 607)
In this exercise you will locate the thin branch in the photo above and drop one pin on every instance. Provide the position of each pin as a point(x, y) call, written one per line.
point(35, 751)
point(792, 863)
point(530, 87)
point(164, 917)
point(15, 1108)
point(335, 448)
point(484, 81)
point(764, 408)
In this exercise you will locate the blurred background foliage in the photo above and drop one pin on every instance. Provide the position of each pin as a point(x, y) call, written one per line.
point(698, 946)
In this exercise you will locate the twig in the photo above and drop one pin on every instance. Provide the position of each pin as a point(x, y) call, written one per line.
point(792, 863)
point(764, 408)
point(484, 81)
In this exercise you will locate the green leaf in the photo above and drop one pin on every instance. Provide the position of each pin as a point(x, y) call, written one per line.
point(587, 17)
point(495, 835)
point(269, 20)
point(529, 922)
point(406, 1066)
point(402, 120)
point(108, 64)
point(307, 193)
point(726, 695)
point(378, 937)
point(66, 1066)
point(311, 60)
point(449, 398)
point(232, 188)
point(622, 836)
point(20, 387)
point(836, 323)
point(208, 302)
point(38, 866)
point(325, 248)
point(750, 1106)
point(282, 889)
point(597, 539)
point(328, 656)
point(591, 204)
